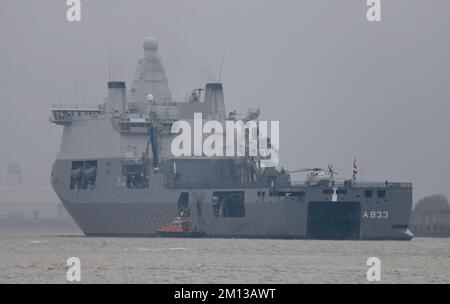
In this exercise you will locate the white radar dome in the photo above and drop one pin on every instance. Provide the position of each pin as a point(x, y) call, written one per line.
point(150, 44)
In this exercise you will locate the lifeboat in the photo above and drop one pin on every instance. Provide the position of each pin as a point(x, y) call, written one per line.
point(181, 228)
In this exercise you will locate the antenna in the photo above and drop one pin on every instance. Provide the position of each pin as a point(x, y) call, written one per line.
point(84, 92)
point(76, 87)
point(221, 64)
point(110, 64)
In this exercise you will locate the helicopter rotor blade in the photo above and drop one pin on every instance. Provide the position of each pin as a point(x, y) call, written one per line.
point(305, 170)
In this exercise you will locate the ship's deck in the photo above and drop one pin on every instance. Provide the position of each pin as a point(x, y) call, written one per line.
point(293, 185)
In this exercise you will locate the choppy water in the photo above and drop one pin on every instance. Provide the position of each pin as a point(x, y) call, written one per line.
point(42, 259)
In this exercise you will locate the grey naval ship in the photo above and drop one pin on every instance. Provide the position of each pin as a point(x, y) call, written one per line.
point(116, 175)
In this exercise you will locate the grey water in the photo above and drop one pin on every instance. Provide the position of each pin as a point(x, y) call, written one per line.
point(42, 259)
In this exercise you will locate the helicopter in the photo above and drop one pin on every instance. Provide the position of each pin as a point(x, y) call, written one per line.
point(319, 176)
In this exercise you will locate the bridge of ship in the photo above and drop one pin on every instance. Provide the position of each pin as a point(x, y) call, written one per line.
point(65, 114)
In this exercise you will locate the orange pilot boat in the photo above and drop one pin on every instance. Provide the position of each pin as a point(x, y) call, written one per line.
point(181, 228)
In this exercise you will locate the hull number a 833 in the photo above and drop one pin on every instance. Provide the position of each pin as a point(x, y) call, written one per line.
point(378, 215)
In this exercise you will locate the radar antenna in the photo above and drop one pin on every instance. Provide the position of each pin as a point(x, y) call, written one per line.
point(221, 64)
point(110, 64)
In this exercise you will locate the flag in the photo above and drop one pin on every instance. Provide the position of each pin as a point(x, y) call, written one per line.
point(355, 168)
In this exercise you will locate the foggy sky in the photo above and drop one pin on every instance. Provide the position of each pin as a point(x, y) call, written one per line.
point(339, 85)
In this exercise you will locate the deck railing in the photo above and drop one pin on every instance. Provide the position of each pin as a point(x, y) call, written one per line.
point(83, 107)
point(208, 184)
point(370, 185)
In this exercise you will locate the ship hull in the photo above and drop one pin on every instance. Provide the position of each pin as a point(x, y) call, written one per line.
point(291, 212)
point(286, 221)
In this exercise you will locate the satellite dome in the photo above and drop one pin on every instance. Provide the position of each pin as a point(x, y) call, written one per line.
point(150, 44)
